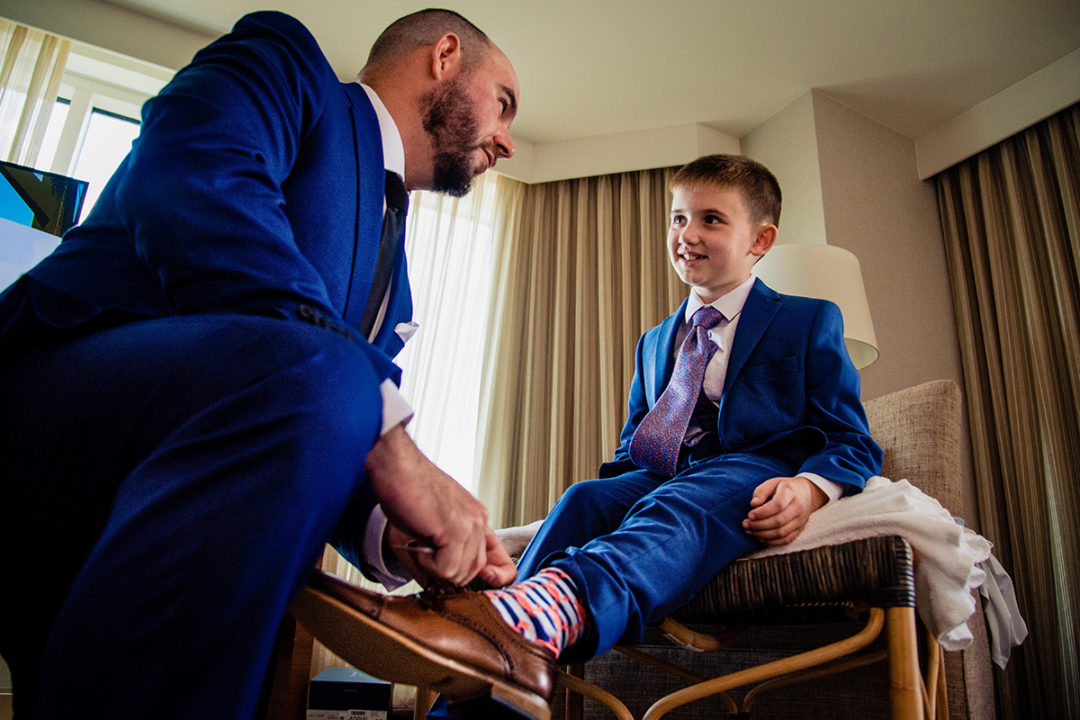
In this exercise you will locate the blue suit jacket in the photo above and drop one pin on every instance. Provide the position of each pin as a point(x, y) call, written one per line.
point(256, 186)
point(790, 390)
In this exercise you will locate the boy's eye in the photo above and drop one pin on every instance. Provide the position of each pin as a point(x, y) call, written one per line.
point(678, 220)
point(713, 219)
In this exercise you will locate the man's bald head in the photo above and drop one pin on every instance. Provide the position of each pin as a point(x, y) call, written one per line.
point(423, 29)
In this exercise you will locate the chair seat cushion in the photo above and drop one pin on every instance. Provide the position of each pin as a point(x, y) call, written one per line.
point(873, 571)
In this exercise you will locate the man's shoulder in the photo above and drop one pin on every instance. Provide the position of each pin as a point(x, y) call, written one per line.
point(274, 28)
point(275, 22)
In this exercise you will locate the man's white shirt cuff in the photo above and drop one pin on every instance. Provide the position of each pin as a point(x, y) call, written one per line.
point(373, 544)
point(395, 410)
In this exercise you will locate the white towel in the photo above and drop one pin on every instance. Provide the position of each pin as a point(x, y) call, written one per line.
point(947, 558)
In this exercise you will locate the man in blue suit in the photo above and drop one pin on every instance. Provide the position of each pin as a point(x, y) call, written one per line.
point(197, 388)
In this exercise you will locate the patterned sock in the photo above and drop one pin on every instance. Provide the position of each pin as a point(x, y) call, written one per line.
point(545, 609)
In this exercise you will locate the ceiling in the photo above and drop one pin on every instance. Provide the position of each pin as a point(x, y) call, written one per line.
point(596, 67)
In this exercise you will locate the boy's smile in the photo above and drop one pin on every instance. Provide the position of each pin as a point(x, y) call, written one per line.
point(712, 240)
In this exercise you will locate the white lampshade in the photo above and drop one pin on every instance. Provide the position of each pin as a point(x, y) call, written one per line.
point(830, 273)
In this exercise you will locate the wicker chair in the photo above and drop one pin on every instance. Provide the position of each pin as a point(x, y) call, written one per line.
point(809, 600)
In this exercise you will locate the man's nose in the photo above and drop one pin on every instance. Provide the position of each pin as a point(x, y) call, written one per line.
point(504, 144)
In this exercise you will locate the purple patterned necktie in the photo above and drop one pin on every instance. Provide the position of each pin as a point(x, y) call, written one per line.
point(656, 442)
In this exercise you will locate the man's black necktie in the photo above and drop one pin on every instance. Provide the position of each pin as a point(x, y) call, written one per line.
point(390, 243)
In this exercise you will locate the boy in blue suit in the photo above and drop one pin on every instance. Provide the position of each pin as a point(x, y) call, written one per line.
point(197, 388)
point(776, 430)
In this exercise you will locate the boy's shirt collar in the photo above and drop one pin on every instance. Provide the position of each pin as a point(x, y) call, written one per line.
point(729, 305)
point(392, 146)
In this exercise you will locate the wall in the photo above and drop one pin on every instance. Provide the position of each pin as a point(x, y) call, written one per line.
point(876, 207)
point(149, 39)
point(854, 183)
point(787, 145)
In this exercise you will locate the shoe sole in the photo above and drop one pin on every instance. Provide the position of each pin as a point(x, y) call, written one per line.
point(386, 653)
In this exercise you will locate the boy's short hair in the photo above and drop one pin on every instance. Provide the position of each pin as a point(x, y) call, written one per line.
point(759, 187)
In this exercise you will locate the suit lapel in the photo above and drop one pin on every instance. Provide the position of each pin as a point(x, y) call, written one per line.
point(761, 307)
point(663, 360)
point(371, 190)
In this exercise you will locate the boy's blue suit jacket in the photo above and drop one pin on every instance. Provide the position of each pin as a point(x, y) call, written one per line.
point(790, 390)
point(256, 186)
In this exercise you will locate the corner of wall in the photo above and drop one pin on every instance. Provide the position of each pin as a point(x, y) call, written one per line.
point(787, 145)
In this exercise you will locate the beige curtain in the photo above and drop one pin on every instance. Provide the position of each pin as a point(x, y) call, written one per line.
point(33, 63)
point(582, 270)
point(1011, 220)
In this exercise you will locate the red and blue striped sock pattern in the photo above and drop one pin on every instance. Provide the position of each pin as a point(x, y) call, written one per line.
point(545, 609)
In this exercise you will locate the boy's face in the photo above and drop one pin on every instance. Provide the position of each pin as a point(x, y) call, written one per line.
point(712, 241)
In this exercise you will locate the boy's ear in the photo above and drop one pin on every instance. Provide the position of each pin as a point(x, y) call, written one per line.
point(764, 241)
point(445, 56)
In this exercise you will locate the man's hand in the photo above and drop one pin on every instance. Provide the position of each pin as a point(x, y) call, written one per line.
point(499, 571)
point(781, 507)
point(430, 506)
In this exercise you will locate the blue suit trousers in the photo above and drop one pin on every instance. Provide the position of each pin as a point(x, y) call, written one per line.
point(639, 545)
point(168, 486)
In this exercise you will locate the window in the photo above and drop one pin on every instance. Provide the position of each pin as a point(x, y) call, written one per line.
point(106, 141)
point(96, 116)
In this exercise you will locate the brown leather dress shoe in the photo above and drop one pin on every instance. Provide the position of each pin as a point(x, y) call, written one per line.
point(456, 643)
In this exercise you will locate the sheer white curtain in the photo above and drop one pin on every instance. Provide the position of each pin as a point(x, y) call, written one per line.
point(33, 63)
point(451, 249)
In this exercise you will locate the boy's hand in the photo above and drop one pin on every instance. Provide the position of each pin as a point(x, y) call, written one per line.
point(781, 507)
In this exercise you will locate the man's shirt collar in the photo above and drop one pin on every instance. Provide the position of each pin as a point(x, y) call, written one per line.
point(393, 148)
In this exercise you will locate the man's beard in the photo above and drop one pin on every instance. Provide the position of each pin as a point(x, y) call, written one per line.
point(450, 121)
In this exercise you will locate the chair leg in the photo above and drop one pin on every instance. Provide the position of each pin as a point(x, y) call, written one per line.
point(810, 658)
point(575, 702)
point(905, 692)
point(292, 668)
point(425, 698)
point(578, 686)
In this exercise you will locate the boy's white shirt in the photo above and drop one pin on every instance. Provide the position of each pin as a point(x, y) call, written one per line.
point(730, 306)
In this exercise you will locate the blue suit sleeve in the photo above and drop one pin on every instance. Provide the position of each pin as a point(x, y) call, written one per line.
point(202, 189)
point(850, 455)
point(637, 408)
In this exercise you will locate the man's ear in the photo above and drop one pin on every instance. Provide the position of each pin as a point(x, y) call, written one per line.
point(764, 241)
point(446, 56)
